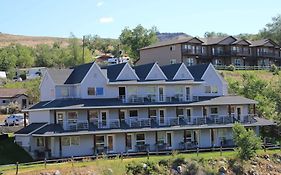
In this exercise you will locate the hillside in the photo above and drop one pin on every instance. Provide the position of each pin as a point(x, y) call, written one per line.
point(169, 36)
point(7, 39)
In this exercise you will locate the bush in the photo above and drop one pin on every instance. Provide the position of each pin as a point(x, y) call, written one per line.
point(146, 168)
point(247, 141)
point(193, 168)
point(273, 68)
point(231, 67)
point(178, 161)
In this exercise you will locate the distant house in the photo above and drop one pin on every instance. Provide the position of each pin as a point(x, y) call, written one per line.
point(18, 96)
point(110, 59)
point(33, 72)
point(220, 51)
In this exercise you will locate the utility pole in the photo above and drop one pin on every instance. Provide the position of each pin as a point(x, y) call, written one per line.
point(83, 56)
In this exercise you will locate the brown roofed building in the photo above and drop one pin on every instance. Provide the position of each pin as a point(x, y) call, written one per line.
point(18, 96)
point(220, 51)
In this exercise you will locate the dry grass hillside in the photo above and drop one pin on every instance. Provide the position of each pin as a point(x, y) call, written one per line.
point(32, 41)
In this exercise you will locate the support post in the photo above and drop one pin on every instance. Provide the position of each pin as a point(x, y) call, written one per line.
point(156, 141)
point(55, 117)
point(254, 109)
point(60, 146)
point(88, 116)
point(95, 145)
point(17, 168)
point(229, 110)
point(24, 119)
point(126, 143)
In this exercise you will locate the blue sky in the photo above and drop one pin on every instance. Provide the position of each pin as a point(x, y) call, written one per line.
point(108, 17)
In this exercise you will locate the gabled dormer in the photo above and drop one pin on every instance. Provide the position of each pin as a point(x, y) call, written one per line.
point(183, 73)
point(156, 73)
point(175, 72)
point(127, 73)
point(149, 72)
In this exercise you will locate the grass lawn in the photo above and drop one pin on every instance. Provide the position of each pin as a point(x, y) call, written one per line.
point(117, 165)
point(11, 153)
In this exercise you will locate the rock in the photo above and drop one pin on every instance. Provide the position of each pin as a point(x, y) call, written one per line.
point(174, 172)
point(222, 169)
point(252, 172)
point(270, 167)
point(266, 156)
point(57, 172)
point(179, 169)
point(254, 166)
point(254, 163)
point(144, 165)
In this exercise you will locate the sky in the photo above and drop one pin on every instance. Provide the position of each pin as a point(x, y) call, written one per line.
point(107, 18)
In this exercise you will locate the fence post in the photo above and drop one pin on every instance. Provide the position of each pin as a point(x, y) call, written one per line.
point(72, 162)
point(17, 168)
point(197, 151)
point(45, 162)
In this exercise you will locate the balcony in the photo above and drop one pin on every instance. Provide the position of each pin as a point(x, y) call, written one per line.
point(167, 121)
point(268, 54)
point(240, 53)
point(152, 98)
point(191, 52)
point(221, 53)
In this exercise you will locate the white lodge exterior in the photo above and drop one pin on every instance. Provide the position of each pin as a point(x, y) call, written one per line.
point(89, 110)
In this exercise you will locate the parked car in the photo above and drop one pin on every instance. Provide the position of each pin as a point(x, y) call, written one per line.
point(15, 119)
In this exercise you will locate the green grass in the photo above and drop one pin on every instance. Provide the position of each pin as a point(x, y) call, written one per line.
point(116, 164)
point(11, 153)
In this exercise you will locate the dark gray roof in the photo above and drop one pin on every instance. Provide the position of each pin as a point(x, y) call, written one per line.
point(143, 70)
point(170, 70)
point(113, 71)
point(225, 100)
point(107, 102)
point(263, 42)
point(170, 42)
point(30, 128)
point(59, 76)
point(78, 73)
point(213, 40)
point(197, 71)
point(54, 128)
point(239, 40)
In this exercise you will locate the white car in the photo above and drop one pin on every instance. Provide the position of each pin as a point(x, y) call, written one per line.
point(15, 119)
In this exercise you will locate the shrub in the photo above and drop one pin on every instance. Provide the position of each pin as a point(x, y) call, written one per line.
point(164, 162)
point(273, 68)
point(23, 76)
point(247, 141)
point(231, 67)
point(178, 161)
point(193, 168)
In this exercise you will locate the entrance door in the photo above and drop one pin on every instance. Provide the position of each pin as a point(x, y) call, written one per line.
point(161, 94)
point(110, 143)
point(213, 137)
point(169, 139)
point(122, 93)
point(103, 117)
point(238, 112)
point(129, 142)
point(122, 115)
point(161, 116)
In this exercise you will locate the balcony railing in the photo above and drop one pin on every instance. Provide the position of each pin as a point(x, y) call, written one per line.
point(240, 53)
point(161, 98)
point(138, 122)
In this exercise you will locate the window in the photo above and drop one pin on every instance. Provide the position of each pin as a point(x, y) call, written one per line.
point(152, 113)
point(207, 89)
point(218, 62)
point(95, 91)
point(75, 140)
point(40, 141)
point(91, 91)
point(172, 48)
point(161, 137)
point(93, 116)
point(65, 91)
point(237, 62)
point(72, 117)
point(185, 47)
point(190, 61)
point(214, 111)
point(179, 112)
point(133, 113)
point(99, 91)
point(214, 89)
point(188, 115)
point(188, 136)
point(65, 141)
point(100, 141)
point(140, 139)
point(3, 101)
point(173, 61)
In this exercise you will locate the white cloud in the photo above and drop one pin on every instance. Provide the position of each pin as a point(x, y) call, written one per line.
point(99, 3)
point(106, 20)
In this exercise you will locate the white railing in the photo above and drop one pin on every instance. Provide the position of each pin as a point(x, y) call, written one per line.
point(138, 122)
point(109, 123)
point(79, 125)
point(173, 121)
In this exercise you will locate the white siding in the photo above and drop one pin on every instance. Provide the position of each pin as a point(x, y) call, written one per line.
point(183, 73)
point(39, 116)
point(156, 73)
point(127, 73)
point(47, 88)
